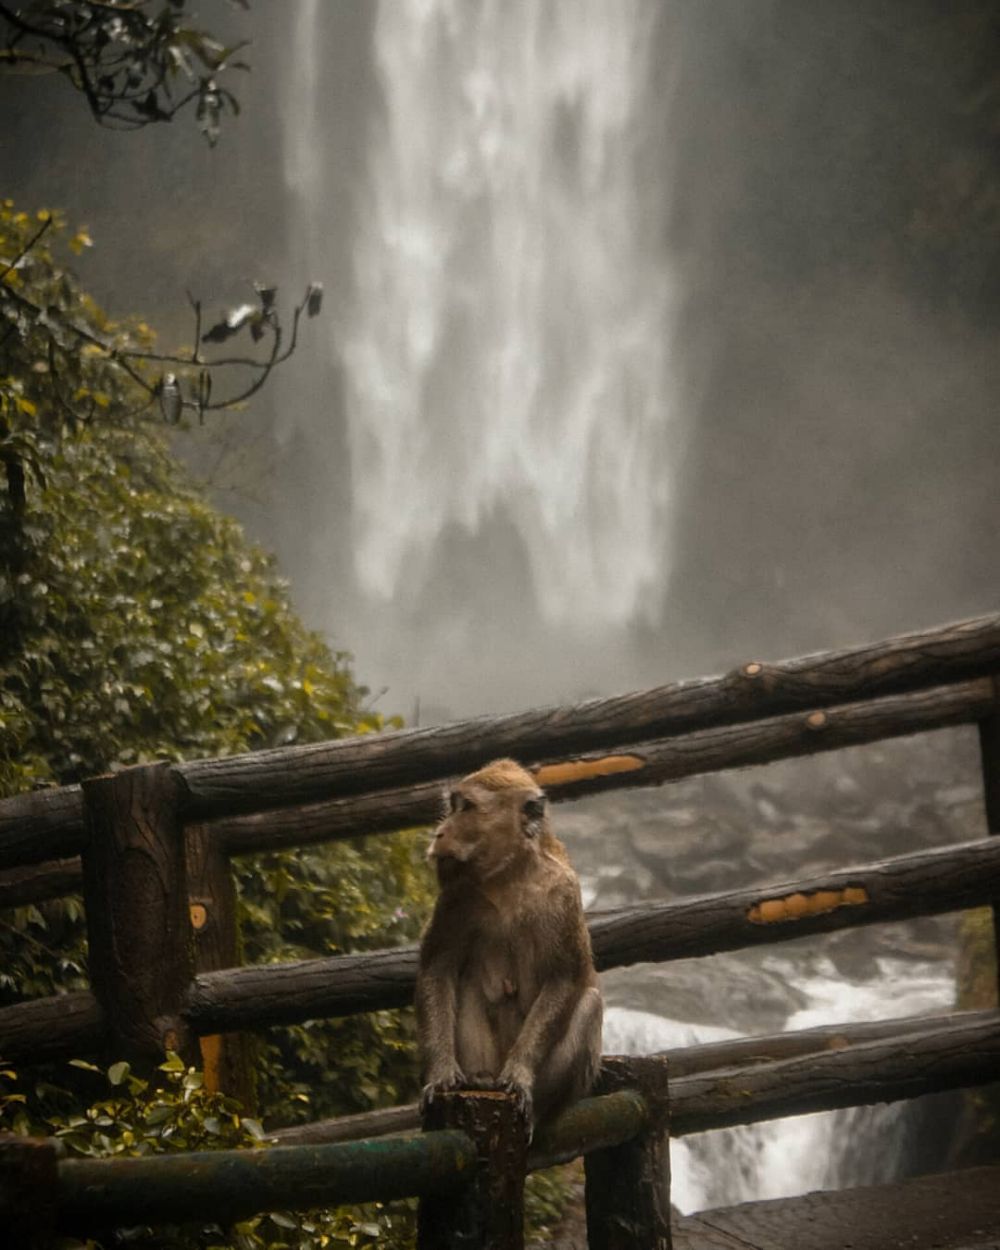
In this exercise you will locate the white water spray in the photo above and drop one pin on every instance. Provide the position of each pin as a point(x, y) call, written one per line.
point(783, 1158)
point(507, 349)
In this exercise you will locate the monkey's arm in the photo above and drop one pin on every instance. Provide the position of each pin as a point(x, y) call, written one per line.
point(436, 1003)
point(565, 975)
point(542, 1028)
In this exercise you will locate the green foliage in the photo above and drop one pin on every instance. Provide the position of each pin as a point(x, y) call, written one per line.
point(546, 1196)
point(137, 624)
point(976, 975)
point(123, 1115)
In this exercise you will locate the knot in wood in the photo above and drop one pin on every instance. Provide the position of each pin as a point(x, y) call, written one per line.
point(816, 720)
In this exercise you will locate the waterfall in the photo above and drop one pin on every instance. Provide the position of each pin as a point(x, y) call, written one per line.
point(506, 352)
point(501, 368)
point(783, 1158)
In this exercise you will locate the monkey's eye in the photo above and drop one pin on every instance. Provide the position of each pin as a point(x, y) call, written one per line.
point(534, 808)
point(460, 803)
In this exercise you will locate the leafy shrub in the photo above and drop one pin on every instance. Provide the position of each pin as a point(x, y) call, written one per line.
point(127, 1116)
point(136, 624)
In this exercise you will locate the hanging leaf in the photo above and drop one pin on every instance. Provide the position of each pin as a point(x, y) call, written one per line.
point(314, 298)
point(267, 295)
point(171, 403)
point(232, 323)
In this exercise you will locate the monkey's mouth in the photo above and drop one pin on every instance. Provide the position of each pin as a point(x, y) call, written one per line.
point(448, 868)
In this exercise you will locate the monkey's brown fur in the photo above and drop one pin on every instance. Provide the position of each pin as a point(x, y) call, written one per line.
point(507, 995)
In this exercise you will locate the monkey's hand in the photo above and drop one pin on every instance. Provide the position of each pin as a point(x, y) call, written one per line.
point(442, 1082)
point(516, 1079)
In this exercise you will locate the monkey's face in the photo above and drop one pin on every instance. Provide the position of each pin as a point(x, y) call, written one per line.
point(486, 831)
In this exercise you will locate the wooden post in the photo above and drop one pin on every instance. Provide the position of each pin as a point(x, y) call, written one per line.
point(227, 1058)
point(28, 1187)
point(489, 1213)
point(989, 746)
point(137, 912)
point(628, 1186)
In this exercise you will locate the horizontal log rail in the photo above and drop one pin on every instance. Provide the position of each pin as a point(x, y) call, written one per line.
point(739, 1052)
point(722, 1084)
point(61, 1026)
point(48, 824)
point(37, 882)
point(231, 1185)
point(938, 1058)
point(227, 1185)
point(41, 826)
point(298, 775)
point(929, 883)
point(645, 764)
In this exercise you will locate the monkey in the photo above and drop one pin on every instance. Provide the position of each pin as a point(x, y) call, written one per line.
point(507, 996)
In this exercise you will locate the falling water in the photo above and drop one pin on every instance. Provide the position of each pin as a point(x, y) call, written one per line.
point(507, 348)
point(783, 1158)
point(501, 352)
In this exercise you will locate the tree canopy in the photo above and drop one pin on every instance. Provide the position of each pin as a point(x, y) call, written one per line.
point(135, 62)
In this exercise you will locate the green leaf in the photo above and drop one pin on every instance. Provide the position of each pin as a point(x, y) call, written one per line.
point(118, 1072)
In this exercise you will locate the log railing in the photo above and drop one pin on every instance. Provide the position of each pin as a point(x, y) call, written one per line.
point(151, 848)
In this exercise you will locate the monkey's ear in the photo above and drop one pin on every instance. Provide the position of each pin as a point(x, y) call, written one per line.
point(534, 809)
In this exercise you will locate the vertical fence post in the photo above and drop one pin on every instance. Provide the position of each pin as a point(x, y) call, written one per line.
point(989, 746)
point(28, 1187)
point(489, 1213)
point(628, 1186)
point(227, 1058)
point(138, 929)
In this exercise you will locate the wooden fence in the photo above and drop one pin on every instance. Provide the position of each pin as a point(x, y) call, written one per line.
point(150, 848)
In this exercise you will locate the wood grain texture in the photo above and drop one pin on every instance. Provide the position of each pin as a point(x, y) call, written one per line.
point(42, 825)
point(488, 1213)
point(936, 1058)
point(628, 1185)
point(228, 1059)
point(929, 883)
point(953, 1211)
point(228, 1185)
point(49, 824)
point(664, 760)
point(684, 1061)
point(27, 1180)
point(305, 774)
point(138, 929)
point(58, 1027)
point(38, 882)
point(989, 745)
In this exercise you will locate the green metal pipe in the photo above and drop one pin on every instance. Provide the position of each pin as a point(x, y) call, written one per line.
point(590, 1124)
point(226, 1185)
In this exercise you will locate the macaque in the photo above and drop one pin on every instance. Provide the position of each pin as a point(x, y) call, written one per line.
point(507, 996)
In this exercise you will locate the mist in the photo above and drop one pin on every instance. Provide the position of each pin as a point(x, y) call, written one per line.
point(709, 335)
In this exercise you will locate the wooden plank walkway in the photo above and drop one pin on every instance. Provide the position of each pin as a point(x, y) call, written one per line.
point(951, 1211)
